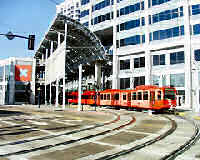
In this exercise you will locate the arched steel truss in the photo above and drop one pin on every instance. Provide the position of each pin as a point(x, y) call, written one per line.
point(82, 45)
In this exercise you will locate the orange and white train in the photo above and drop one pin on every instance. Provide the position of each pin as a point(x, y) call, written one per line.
point(142, 97)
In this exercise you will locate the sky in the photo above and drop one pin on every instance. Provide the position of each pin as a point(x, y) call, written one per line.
point(24, 17)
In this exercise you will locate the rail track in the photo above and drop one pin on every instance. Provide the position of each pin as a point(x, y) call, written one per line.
point(124, 122)
point(167, 156)
point(49, 146)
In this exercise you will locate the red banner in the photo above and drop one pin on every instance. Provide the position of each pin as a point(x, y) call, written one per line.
point(23, 72)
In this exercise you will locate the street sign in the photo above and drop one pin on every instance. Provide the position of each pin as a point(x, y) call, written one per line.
point(10, 36)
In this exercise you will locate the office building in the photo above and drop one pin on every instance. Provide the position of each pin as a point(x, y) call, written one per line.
point(152, 42)
point(16, 81)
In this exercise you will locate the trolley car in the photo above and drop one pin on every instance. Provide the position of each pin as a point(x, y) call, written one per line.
point(142, 97)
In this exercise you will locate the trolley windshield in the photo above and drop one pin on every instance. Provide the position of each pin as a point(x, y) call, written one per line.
point(169, 94)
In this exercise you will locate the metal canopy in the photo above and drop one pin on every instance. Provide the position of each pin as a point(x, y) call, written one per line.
point(82, 46)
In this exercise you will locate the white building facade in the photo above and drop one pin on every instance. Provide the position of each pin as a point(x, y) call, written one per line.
point(69, 8)
point(153, 42)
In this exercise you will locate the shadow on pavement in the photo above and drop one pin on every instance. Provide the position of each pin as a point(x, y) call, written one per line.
point(5, 113)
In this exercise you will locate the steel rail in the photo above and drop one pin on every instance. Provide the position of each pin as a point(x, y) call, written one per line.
point(140, 146)
point(187, 145)
point(66, 142)
point(58, 135)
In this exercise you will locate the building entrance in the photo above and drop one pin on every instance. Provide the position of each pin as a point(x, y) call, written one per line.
point(180, 100)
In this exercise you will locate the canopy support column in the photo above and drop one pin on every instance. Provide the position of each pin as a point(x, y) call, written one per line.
point(79, 88)
point(98, 74)
point(50, 94)
point(65, 40)
point(45, 85)
point(57, 84)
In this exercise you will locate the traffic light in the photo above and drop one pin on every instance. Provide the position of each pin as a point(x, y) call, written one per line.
point(31, 42)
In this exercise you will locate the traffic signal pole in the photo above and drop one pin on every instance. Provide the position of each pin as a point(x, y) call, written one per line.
point(31, 39)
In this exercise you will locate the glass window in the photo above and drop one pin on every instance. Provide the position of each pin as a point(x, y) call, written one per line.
point(145, 95)
point(169, 94)
point(155, 80)
point(116, 96)
point(156, 35)
point(108, 96)
point(167, 14)
point(150, 36)
point(134, 97)
point(175, 13)
point(124, 64)
point(131, 8)
point(181, 11)
point(104, 96)
point(126, 10)
point(182, 30)
point(162, 59)
point(139, 81)
point(124, 96)
point(177, 57)
point(143, 38)
point(20, 87)
point(108, 16)
point(124, 83)
point(142, 5)
point(122, 11)
point(180, 57)
point(155, 60)
point(196, 29)
point(142, 61)
point(163, 34)
point(197, 55)
point(107, 2)
point(122, 26)
point(136, 62)
point(161, 16)
point(155, 18)
point(143, 21)
point(173, 58)
point(159, 95)
point(195, 9)
point(175, 31)
point(177, 80)
point(137, 6)
point(139, 95)
point(168, 33)
point(149, 19)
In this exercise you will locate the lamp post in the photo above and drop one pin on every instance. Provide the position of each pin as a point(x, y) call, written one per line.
point(39, 97)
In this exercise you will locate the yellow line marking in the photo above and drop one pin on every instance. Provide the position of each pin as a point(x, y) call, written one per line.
point(197, 117)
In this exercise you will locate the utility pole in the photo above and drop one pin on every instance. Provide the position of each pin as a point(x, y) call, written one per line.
point(31, 39)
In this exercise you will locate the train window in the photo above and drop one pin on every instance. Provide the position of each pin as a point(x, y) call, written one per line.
point(124, 96)
point(129, 97)
point(159, 95)
point(134, 96)
point(84, 97)
point(139, 95)
point(116, 96)
point(145, 95)
point(101, 96)
point(104, 96)
point(108, 96)
point(169, 94)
